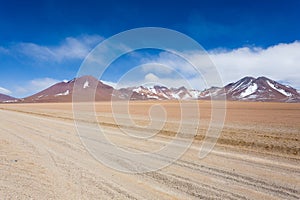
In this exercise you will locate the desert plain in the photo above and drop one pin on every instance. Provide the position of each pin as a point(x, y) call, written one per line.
point(257, 155)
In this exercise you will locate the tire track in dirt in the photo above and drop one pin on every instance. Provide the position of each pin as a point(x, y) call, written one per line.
point(40, 142)
point(110, 189)
point(37, 136)
point(191, 187)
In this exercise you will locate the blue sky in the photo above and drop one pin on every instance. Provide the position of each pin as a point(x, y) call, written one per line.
point(42, 42)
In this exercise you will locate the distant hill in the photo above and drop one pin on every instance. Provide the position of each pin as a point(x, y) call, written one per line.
point(63, 91)
point(6, 98)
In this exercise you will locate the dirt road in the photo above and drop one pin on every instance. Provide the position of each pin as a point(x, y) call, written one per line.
point(42, 157)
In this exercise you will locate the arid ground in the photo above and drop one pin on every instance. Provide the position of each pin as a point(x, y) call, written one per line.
point(257, 155)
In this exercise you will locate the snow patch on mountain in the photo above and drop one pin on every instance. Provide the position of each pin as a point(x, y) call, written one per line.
point(86, 84)
point(279, 89)
point(63, 94)
point(250, 90)
point(236, 86)
point(175, 96)
point(137, 90)
point(10, 101)
point(152, 96)
point(195, 93)
point(153, 90)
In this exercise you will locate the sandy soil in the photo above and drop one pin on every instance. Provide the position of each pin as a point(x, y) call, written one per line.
point(257, 155)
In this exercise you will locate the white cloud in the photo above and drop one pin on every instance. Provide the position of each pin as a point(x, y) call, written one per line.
point(166, 63)
point(178, 69)
point(70, 48)
point(5, 91)
point(35, 51)
point(34, 86)
point(168, 82)
point(42, 83)
point(280, 62)
point(138, 76)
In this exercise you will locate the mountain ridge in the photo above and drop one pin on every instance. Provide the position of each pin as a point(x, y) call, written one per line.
point(246, 89)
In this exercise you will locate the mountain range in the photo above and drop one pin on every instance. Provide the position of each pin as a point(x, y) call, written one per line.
point(246, 89)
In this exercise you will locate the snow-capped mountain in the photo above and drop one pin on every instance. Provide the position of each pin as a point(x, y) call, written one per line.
point(260, 89)
point(7, 99)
